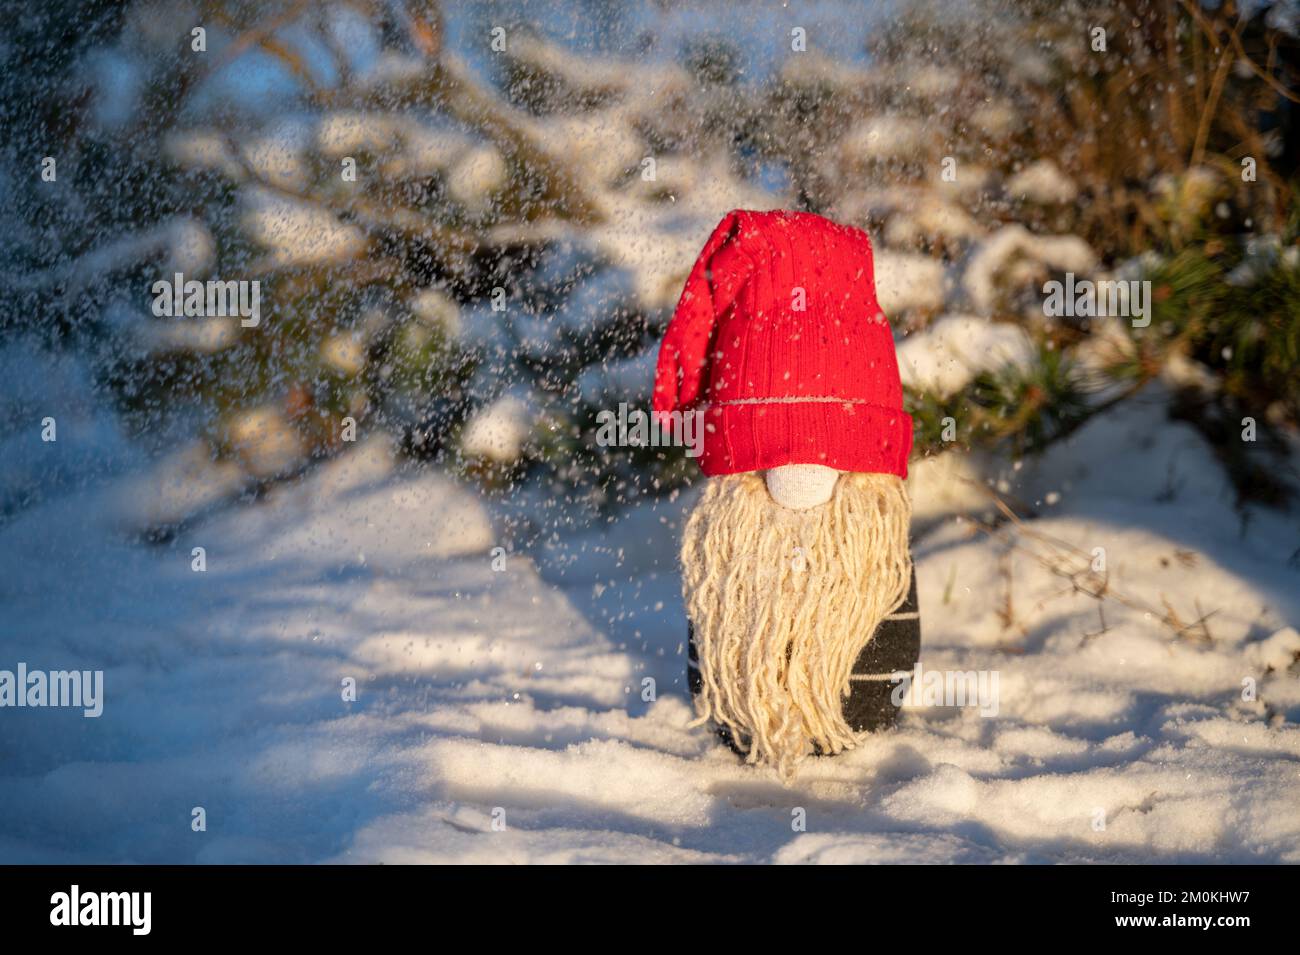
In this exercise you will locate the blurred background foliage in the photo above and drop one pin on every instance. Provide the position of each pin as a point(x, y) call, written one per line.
point(522, 218)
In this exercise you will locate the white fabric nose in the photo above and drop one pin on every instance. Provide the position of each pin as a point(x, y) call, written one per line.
point(801, 486)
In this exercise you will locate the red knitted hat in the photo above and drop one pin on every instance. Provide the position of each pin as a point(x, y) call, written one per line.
point(779, 339)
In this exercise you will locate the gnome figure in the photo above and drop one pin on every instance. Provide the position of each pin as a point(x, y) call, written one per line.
point(796, 570)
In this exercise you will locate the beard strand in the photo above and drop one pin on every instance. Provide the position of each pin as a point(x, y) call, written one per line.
point(783, 603)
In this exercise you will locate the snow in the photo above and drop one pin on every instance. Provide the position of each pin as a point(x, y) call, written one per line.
point(885, 137)
point(498, 431)
point(905, 281)
point(265, 442)
point(89, 440)
point(947, 356)
point(928, 218)
point(605, 144)
point(181, 485)
point(438, 310)
point(1042, 182)
point(500, 714)
point(479, 173)
point(201, 335)
point(279, 156)
point(296, 232)
point(1016, 253)
point(518, 656)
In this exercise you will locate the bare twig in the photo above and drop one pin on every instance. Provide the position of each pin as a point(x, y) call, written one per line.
point(256, 35)
point(1074, 565)
point(292, 60)
point(1212, 102)
point(1193, 8)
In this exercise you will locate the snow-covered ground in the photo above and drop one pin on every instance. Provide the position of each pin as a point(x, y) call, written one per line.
point(512, 691)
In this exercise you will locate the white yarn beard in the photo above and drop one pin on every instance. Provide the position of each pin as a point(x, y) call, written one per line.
point(783, 603)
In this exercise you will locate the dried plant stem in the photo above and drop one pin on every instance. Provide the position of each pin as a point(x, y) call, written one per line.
point(1074, 565)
